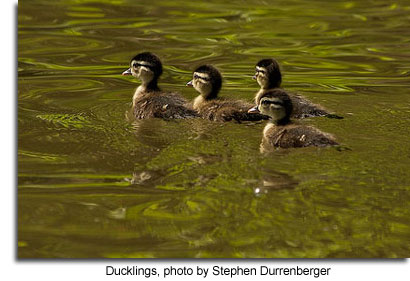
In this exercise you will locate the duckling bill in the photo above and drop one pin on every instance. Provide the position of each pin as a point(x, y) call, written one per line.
point(148, 100)
point(269, 76)
point(281, 131)
point(207, 80)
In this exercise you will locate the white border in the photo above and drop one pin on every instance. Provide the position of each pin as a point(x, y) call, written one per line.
point(13, 269)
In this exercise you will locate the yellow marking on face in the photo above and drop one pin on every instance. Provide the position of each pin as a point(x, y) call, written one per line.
point(201, 82)
point(272, 107)
point(203, 76)
point(141, 70)
point(261, 76)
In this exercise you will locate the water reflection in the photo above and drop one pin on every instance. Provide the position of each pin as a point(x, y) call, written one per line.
point(273, 181)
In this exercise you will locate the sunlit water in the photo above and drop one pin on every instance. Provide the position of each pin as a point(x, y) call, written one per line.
point(91, 184)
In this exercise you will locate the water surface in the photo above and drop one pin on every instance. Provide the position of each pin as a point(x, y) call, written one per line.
point(91, 184)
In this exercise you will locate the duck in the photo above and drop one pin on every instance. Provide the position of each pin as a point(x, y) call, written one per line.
point(269, 76)
point(207, 81)
point(281, 132)
point(149, 101)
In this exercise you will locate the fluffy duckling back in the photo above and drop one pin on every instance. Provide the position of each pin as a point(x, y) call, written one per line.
point(207, 80)
point(148, 100)
point(280, 131)
point(268, 76)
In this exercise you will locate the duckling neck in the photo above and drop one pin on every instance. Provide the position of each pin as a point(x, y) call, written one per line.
point(211, 95)
point(259, 95)
point(281, 122)
point(144, 88)
point(273, 125)
point(202, 98)
point(152, 86)
point(272, 85)
point(198, 101)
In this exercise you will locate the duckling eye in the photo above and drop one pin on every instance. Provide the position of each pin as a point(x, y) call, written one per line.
point(267, 102)
point(202, 78)
point(135, 65)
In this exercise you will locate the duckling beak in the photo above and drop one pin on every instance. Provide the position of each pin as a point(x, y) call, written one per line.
point(254, 77)
point(127, 72)
point(254, 110)
point(189, 84)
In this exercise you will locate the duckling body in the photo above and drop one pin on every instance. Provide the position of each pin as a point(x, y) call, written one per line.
point(225, 110)
point(269, 77)
point(280, 131)
point(293, 135)
point(161, 105)
point(148, 100)
point(207, 80)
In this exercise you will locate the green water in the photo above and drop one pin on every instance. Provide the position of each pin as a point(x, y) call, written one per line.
point(91, 184)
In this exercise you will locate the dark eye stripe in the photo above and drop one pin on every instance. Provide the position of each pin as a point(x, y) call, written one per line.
point(272, 102)
point(199, 77)
point(140, 64)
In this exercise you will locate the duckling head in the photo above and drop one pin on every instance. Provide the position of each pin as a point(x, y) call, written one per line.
point(145, 66)
point(277, 105)
point(207, 80)
point(267, 74)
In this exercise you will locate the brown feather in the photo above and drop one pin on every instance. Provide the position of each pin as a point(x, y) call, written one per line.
point(227, 110)
point(292, 135)
point(162, 105)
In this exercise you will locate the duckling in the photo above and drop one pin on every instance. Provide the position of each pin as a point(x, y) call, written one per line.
point(280, 131)
point(148, 100)
point(207, 80)
point(268, 76)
